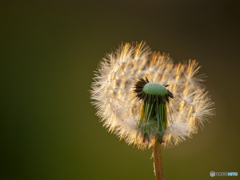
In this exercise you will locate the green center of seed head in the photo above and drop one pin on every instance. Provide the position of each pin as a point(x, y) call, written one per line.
point(155, 89)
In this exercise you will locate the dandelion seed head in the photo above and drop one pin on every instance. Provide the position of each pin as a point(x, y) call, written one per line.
point(142, 96)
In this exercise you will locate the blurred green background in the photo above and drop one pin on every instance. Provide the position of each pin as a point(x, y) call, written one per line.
point(48, 52)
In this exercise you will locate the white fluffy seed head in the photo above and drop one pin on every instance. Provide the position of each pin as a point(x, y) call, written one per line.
point(120, 109)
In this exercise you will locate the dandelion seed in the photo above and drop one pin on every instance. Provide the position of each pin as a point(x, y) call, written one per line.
point(146, 99)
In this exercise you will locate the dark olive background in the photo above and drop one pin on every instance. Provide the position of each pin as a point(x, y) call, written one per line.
point(48, 52)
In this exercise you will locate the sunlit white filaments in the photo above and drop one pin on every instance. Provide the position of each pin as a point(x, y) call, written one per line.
point(120, 109)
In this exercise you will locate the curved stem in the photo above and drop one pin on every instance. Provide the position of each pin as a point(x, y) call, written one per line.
point(158, 164)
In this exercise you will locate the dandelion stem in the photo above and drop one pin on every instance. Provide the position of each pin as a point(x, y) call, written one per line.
point(158, 164)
